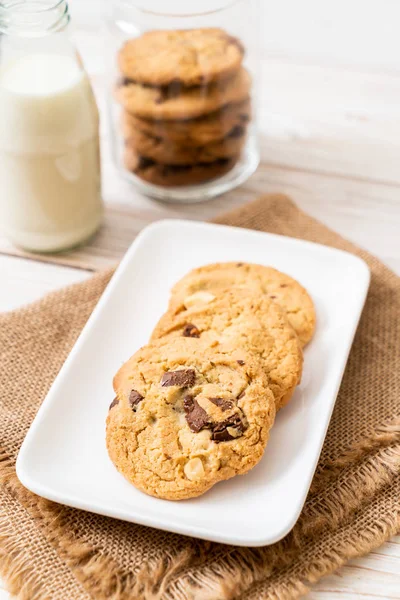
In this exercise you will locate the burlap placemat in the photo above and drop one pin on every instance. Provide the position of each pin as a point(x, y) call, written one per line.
point(48, 551)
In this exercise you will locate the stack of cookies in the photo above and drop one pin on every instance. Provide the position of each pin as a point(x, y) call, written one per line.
point(196, 405)
point(186, 105)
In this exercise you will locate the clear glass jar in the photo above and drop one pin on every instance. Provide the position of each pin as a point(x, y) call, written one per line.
point(49, 131)
point(182, 98)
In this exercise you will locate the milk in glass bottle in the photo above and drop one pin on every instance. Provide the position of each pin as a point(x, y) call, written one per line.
point(50, 196)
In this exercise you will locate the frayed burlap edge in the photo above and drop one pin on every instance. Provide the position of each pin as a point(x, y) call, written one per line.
point(98, 572)
point(244, 568)
point(381, 436)
point(17, 564)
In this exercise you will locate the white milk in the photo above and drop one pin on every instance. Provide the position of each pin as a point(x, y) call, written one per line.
point(49, 153)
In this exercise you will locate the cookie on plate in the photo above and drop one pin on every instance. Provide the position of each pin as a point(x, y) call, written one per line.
point(177, 102)
point(175, 175)
point(277, 286)
point(186, 417)
point(166, 152)
point(191, 56)
point(249, 321)
point(199, 131)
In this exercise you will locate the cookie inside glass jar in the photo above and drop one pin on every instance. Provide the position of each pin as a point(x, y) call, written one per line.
point(186, 109)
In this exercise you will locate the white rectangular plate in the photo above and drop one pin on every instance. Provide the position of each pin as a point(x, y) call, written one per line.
point(64, 457)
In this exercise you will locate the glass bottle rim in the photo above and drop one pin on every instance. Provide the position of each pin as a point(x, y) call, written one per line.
point(33, 18)
point(46, 6)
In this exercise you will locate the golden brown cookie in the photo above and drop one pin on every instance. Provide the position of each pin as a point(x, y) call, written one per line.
point(166, 152)
point(176, 102)
point(191, 56)
point(186, 417)
point(251, 322)
point(281, 288)
point(199, 132)
point(175, 175)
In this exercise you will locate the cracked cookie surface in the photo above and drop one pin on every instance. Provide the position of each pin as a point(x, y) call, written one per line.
point(252, 322)
point(192, 56)
point(187, 416)
point(277, 286)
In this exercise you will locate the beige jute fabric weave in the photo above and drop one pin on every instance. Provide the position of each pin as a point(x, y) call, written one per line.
point(48, 551)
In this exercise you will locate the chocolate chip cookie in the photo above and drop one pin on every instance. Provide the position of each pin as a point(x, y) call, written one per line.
point(176, 101)
point(249, 321)
point(275, 285)
point(198, 132)
point(175, 175)
point(186, 417)
point(166, 152)
point(191, 56)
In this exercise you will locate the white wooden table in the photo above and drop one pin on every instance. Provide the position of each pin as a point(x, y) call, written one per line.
point(330, 139)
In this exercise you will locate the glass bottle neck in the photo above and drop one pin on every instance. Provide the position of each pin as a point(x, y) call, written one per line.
point(33, 18)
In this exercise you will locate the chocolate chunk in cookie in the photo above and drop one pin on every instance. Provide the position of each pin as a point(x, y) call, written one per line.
point(222, 404)
point(172, 90)
point(144, 162)
point(228, 430)
point(181, 378)
point(113, 403)
point(196, 416)
point(191, 330)
point(237, 132)
point(134, 399)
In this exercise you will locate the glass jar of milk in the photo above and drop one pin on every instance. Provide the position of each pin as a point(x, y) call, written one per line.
point(49, 131)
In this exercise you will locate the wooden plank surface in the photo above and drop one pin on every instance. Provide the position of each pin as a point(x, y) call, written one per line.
point(365, 212)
